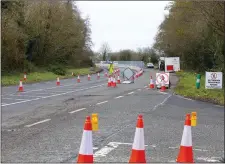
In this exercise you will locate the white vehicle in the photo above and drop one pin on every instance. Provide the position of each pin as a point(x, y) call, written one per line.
point(172, 64)
point(150, 65)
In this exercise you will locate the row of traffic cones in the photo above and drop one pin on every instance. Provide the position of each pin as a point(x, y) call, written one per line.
point(21, 88)
point(152, 85)
point(138, 155)
point(112, 81)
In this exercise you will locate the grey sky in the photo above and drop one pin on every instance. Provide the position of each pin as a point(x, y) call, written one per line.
point(123, 24)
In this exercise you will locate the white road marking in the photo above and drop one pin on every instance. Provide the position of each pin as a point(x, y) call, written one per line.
point(13, 99)
point(155, 107)
point(25, 96)
point(165, 93)
point(219, 106)
point(139, 89)
point(204, 150)
point(3, 103)
point(208, 159)
point(37, 123)
point(95, 148)
point(77, 110)
point(101, 102)
point(52, 95)
point(119, 97)
point(130, 93)
point(108, 148)
point(145, 86)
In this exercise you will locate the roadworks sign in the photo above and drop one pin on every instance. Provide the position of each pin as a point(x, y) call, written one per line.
point(160, 77)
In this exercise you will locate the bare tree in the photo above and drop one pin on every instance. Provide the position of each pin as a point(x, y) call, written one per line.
point(104, 51)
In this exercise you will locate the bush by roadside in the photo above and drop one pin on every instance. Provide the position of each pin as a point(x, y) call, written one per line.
point(186, 87)
point(51, 74)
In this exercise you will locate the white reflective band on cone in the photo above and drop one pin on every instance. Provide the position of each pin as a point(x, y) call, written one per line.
point(86, 147)
point(139, 143)
point(186, 138)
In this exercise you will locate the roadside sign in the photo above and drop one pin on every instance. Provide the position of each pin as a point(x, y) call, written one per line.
point(128, 75)
point(213, 80)
point(161, 76)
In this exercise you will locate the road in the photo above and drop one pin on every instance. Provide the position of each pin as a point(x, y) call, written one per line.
point(48, 128)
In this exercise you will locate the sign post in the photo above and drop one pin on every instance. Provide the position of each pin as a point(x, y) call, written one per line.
point(213, 80)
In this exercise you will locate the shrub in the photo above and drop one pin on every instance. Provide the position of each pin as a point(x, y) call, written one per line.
point(57, 69)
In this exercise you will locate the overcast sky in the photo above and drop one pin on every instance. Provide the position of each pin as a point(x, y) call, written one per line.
point(123, 24)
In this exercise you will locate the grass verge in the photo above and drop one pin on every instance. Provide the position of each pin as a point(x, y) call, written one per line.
point(45, 76)
point(186, 87)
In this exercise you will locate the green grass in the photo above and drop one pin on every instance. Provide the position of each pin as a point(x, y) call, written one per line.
point(186, 87)
point(33, 77)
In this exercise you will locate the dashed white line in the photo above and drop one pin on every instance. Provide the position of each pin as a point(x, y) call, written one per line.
point(37, 123)
point(165, 93)
point(77, 110)
point(145, 86)
point(139, 89)
point(130, 93)
point(101, 102)
point(119, 97)
point(52, 95)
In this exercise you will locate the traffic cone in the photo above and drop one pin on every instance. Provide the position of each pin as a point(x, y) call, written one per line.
point(106, 74)
point(25, 76)
point(114, 82)
point(186, 153)
point(57, 82)
point(151, 83)
point(118, 79)
point(163, 87)
point(89, 77)
point(86, 147)
point(20, 86)
point(109, 82)
point(98, 76)
point(78, 79)
point(138, 148)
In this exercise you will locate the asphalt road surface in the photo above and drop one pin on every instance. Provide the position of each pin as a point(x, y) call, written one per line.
point(45, 123)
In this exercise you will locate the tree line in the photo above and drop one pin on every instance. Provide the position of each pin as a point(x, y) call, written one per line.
point(194, 31)
point(38, 34)
point(145, 54)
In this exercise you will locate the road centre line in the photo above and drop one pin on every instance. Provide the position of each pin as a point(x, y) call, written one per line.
point(37, 123)
point(19, 102)
point(101, 102)
point(130, 93)
point(139, 89)
point(119, 97)
point(77, 110)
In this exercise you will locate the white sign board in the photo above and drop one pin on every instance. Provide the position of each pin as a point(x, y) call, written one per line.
point(159, 78)
point(175, 61)
point(213, 80)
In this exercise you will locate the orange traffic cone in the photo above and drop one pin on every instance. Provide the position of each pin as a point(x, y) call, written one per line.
point(98, 76)
point(186, 153)
point(118, 79)
point(78, 79)
point(86, 147)
point(151, 85)
point(25, 76)
point(163, 87)
point(89, 77)
point(20, 86)
point(57, 82)
point(138, 148)
point(106, 74)
point(109, 82)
